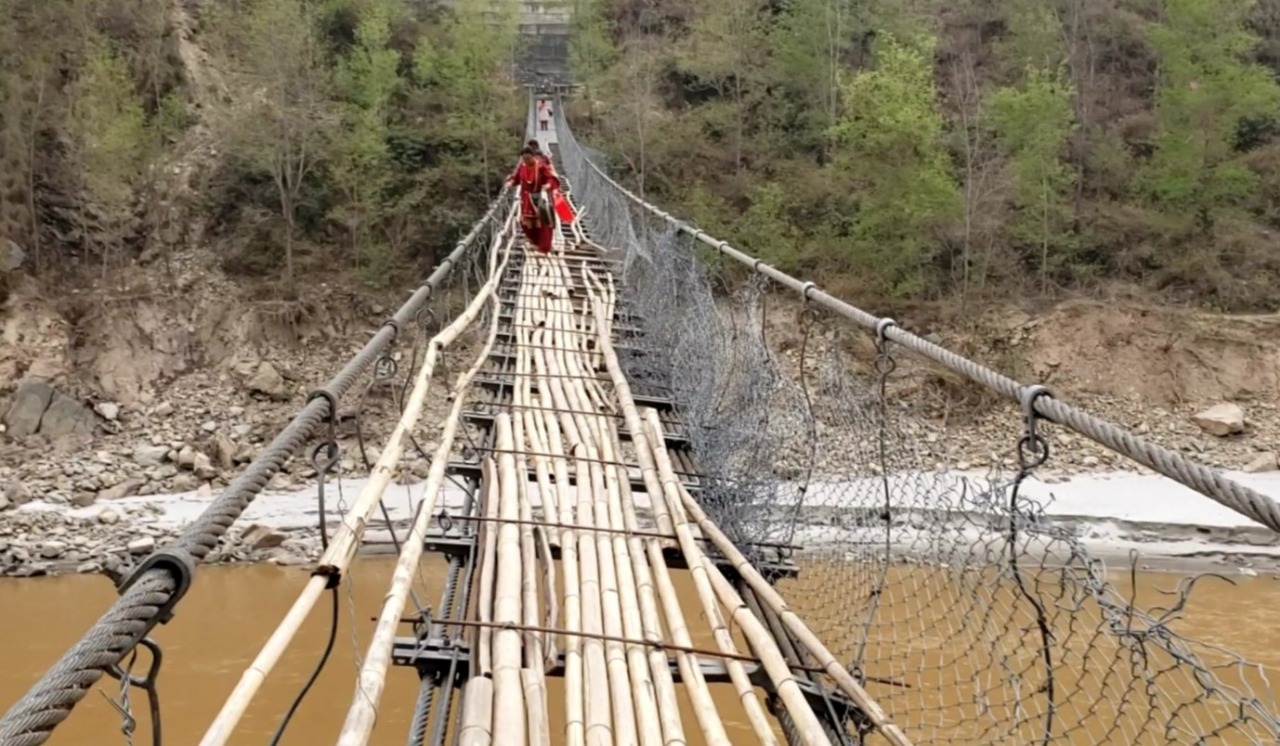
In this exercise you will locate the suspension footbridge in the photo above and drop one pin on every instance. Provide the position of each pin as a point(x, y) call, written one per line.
point(643, 505)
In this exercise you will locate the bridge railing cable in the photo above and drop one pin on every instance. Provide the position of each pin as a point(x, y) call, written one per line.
point(150, 593)
point(1035, 398)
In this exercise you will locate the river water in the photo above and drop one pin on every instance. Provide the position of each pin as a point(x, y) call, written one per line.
point(231, 611)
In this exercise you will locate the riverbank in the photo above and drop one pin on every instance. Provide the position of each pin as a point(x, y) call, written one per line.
point(1110, 515)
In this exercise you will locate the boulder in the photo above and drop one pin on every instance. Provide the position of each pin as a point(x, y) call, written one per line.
point(107, 410)
point(203, 467)
point(18, 493)
point(261, 537)
point(127, 488)
point(1263, 462)
point(66, 416)
point(267, 380)
point(185, 482)
point(148, 455)
point(27, 407)
point(224, 450)
point(1221, 420)
point(145, 545)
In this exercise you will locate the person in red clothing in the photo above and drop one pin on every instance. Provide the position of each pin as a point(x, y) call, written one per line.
point(558, 202)
point(536, 181)
point(544, 156)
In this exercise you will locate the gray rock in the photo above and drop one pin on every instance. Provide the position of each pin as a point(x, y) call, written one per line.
point(144, 545)
point(185, 482)
point(244, 454)
point(149, 455)
point(187, 457)
point(261, 537)
point(18, 493)
point(5, 502)
point(64, 417)
point(27, 407)
point(84, 498)
point(268, 381)
point(108, 517)
point(209, 426)
point(107, 410)
point(225, 450)
point(52, 549)
point(1263, 462)
point(164, 410)
point(127, 488)
point(203, 467)
point(1221, 420)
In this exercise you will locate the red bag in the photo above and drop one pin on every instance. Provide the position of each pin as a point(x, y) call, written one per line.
point(563, 208)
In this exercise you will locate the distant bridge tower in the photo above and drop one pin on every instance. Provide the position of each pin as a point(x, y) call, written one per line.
point(546, 25)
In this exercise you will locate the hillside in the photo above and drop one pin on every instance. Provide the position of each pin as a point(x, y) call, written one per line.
point(208, 206)
point(972, 150)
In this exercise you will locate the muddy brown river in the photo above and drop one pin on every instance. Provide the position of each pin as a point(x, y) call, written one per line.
point(231, 610)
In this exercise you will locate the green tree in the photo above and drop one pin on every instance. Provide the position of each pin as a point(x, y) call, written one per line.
point(360, 165)
point(1207, 88)
point(1032, 124)
point(726, 49)
point(1034, 37)
point(891, 147)
point(465, 61)
point(109, 126)
point(282, 126)
point(591, 50)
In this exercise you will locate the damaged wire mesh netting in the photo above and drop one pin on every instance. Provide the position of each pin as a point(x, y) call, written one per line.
point(968, 614)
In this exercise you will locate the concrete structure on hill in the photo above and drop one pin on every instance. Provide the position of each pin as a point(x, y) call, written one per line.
point(546, 24)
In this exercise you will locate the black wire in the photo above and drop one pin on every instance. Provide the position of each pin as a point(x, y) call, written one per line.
point(333, 619)
point(328, 648)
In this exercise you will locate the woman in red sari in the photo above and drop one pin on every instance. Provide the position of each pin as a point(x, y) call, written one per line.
point(535, 179)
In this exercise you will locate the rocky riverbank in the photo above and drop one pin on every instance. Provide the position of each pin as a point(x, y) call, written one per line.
point(100, 469)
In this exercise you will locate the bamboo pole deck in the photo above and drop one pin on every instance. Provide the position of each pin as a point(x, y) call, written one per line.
point(558, 473)
point(343, 545)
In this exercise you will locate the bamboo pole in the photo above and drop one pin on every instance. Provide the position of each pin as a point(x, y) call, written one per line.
point(807, 723)
point(691, 674)
point(508, 690)
point(477, 712)
point(575, 670)
point(488, 563)
point(345, 541)
point(362, 715)
point(535, 699)
point(477, 695)
point(620, 673)
point(639, 440)
point(532, 675)
point(643, 688)
point(608, 514)
point(774, 601)
point(550, 653)
point(706, 593)
point(534, 433)
point(602, 726)
point(644, 551)
point(667, 701)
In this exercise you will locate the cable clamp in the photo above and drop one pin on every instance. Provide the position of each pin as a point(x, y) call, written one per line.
point(179, 563)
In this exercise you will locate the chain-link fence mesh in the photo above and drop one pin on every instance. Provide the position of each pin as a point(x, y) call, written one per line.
point(969, 615)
